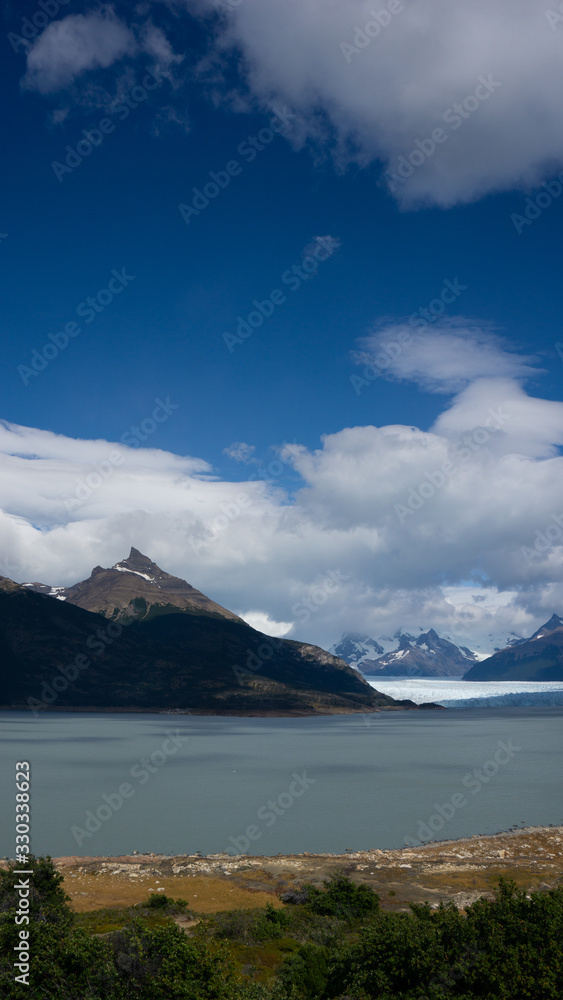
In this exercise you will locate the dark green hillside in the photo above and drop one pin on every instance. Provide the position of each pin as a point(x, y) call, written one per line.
point(537, 659)
point(58, 654)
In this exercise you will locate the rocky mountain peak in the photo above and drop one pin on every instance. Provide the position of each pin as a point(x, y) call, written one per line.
point(556, 621)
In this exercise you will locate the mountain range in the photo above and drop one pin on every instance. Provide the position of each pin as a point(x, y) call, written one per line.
point(133, 637)
point(428, 655)
point(404, 655)
point(537, 658)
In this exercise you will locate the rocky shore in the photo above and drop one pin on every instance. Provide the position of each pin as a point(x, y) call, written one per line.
point(458, 870)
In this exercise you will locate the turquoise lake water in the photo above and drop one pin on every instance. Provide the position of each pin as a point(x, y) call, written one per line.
point(268, 786)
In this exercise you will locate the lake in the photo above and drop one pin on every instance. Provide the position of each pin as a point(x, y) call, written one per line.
point(108, 784)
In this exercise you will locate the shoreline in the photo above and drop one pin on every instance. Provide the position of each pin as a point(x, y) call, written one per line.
point(458, 870)
point(250, 714)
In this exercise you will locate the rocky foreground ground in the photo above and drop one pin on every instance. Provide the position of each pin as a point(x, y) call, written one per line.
point(458, 870)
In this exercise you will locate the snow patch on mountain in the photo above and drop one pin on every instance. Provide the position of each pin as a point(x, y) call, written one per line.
point(125, 569)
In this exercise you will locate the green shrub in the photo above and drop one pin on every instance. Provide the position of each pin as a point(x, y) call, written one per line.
point(340, 898)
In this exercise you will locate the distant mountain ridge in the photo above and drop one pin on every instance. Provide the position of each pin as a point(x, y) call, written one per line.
point(536, 658)
point(354, 647)
point(539, 658)
point(428, 655)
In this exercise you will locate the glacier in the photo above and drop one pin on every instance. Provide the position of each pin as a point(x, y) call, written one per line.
point(453, 693)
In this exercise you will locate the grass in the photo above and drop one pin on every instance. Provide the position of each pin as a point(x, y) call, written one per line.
point(156, 910)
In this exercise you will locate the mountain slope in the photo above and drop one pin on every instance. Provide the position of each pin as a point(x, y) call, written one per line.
point(54, 653)
point(556, 621)
point(539, 658)
point(426, 656)
point(134, 589)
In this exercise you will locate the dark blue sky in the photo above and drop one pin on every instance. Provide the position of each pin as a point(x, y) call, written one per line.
point(163, 335)
point(108, 350)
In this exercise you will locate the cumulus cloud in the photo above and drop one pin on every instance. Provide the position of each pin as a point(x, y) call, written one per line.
point(443, 358)
point(240, 451)
point(530, 427)
point(66, 56)
point(375, 91)
point(71, 46)
point(392, 526)
point(263, 622)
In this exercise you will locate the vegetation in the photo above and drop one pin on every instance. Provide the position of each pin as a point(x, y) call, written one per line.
point(333, 943)
point(188, 660)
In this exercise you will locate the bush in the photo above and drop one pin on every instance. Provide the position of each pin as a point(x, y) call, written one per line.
point(306, 973)
point(158, 901)
point(270, 924)
point(340, 898)
point(48, 900)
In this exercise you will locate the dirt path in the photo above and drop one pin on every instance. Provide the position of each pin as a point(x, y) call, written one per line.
point(460, 870)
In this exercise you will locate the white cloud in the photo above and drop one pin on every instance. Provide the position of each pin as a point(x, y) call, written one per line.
point(263, 622)
point(79, 44)
point(379, 535)
point(240, 451)
point(379, 102)
point(73, 45)
point(443, 358)
point(530, 427)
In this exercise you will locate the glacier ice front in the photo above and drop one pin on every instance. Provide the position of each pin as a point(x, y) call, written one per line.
point(472, 694)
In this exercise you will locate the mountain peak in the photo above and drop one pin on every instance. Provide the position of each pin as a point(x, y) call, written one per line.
point(429, 655)
point(134, 589)
point(137, 561)
point(556, 621)
point(353, 647)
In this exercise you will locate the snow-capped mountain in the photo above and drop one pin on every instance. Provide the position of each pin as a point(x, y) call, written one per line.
point(354, 647)
point(428, 655)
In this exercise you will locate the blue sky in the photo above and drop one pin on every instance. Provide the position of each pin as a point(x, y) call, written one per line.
point(219, 76)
